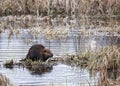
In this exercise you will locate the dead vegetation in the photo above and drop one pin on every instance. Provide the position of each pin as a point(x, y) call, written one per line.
point(106, 62)
point(87, 17)
point(55, 7)
point(4, 81)
point(9, 64)
point(35, 67)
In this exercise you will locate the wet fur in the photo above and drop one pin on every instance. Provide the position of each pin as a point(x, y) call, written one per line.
point(39, 52)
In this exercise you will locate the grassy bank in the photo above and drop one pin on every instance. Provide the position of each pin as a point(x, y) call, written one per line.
point(106, 62)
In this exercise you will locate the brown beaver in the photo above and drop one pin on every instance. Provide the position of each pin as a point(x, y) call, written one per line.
point(39, 52)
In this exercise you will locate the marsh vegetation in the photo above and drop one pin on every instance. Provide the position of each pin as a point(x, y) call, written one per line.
point(87, 34)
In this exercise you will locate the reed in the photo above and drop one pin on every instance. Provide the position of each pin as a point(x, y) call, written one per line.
point(106, 62)
point(55, 7)
point(107, 58)
point(4, 81)
point(1, 30)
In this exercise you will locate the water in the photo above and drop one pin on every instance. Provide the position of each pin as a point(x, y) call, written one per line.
point(62, 75)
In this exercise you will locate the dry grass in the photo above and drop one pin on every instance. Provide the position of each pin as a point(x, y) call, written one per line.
point(35, 67)
point(39, 27)
point(68, 7)
point(107, 63)
point(101, 14)
point(107, 59)
point(4, 81)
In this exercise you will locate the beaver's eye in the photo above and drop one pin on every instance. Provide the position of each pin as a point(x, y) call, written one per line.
point(45, 51)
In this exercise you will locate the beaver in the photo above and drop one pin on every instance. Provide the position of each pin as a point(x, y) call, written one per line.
point(39, 52)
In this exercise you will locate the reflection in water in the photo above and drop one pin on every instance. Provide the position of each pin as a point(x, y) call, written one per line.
point(16, 48)
point(60, 75)
point(38, 68)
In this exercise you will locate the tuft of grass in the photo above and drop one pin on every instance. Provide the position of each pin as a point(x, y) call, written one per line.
point(4, 81)
point(9, 64)
point(79, 60)
point(36, 67)
point(40, 67)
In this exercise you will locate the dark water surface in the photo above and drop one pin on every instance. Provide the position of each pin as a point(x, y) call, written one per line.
point(62, 75)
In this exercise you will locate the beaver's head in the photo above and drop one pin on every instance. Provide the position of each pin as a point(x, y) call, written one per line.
point(47, 54)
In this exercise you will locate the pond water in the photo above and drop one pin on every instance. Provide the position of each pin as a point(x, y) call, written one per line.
point(62, 75)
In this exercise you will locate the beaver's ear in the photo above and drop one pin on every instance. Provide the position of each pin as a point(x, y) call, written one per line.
point(44, 50)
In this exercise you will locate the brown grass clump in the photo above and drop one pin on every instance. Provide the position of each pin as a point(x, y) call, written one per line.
point(4, 81)
point(9, 64)
point(78, 60)
point(106, 62)
point(108, 58)
point(36, 67)
point(40, 67)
